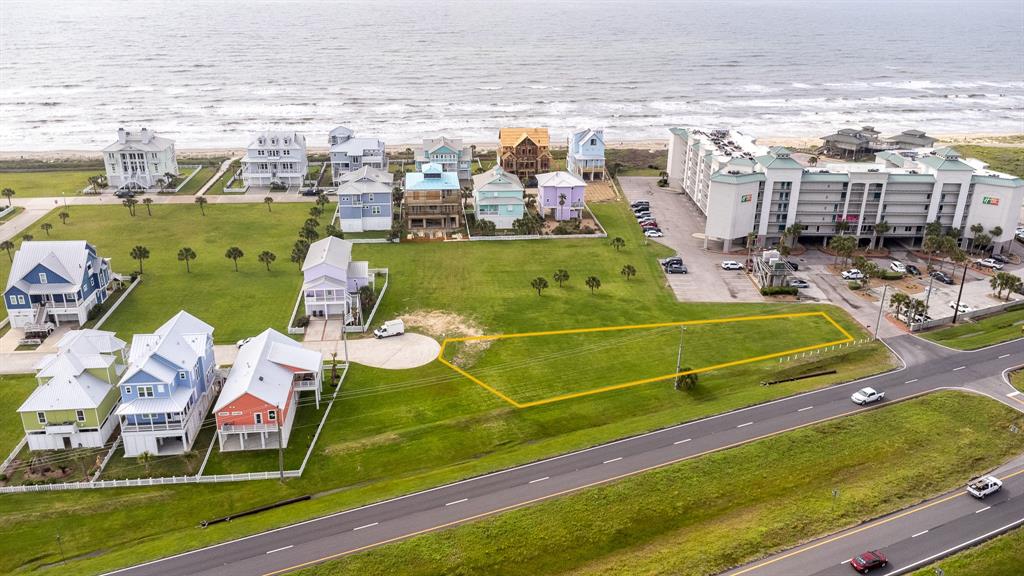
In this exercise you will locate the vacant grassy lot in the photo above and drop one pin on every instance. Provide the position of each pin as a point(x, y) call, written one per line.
point(985, 332)
point(1002, 556)
point(237, 304)
point(13, 391)
point(530, 369)
point(693, 526)
point(47, 183)
point(218, 186)
point(197, 181)
point(392, 432)
point(1003, 159)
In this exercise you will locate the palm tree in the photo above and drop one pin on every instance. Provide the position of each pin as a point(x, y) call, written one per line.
point(299, 250)
point(686, 381)
point(561, 203)
point(266, 257)
point(1013, 283)
point(268, 201)
point(202, 201)
point(130, 203)
point(842, 226)
point(139, 253)
point(975, 230)
point(234, 253)
point(148, 202)
point(899, 302)
point(309, 234)
point(561, 276)
point(793, 233)
point(189, 456)
point(145, 459)
point(618, 243)
point(94, 182)
point(539, 284)
point(332, 230)
point(63, 215)
point(162, 182)
point(27, 238)
point(185, 255)
point(592, 282)
point(628, 271)
point(311, 223)
point(316, 212)
point(881, 229)
point(843, 246)
point(982, 241)
point(8, 246)
point(46, 227)
point(321, 200)
point(8, 193)
point(812, 161)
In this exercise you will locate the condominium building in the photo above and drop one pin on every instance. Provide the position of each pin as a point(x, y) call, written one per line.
point(743, 187)
point(139, 159)
point(275, 158)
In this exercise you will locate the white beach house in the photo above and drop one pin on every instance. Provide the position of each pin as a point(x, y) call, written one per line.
point(275, 158)
point(138, 159)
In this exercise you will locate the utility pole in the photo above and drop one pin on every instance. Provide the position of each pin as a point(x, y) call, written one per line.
point(928, 296)
point(344, 335)
point(60, 545)
point(280, 447)
point(881, 307)
point(963, 279)
point(679, 356)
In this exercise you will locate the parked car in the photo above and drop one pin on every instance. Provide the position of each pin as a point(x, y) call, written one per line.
point(1000, 258)
point(866, 396)
point(990, 263)
point(981, 487)
point(921, 318)
point(731, 265)
point(913, 270)
point(798, 283)
point(651, 222)
point(640, 204)
point(653, 233)
point(853, 274)
point(390, 328)
point(898, 267)
point(125, 193)
point(867, 561)
point(962, 308)
point(639, 209)
point(671, 261)
point(643, 215)
point(310, 191)
point(793, 264)
point(941, 277)
point(679, 268)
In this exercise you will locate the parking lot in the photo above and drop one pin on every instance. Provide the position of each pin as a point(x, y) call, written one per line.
point(682, 223)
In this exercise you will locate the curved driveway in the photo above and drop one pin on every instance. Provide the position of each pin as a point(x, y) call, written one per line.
point(293, 547)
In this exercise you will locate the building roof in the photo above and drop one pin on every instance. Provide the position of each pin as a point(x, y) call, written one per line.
point(264, 368)
point(364, 187)
point(341, 132)
point(177, 402)
point(444, 180)
point(513, 136)
point(500, 201)
point(68, 258)
point(355, 146)
point(581, 136)
point(994, 180)
point(369, 174)
point(561, 179)
point(432, 145)
point(892, 157)
point(297, 140)
point(179, 342)
point(144, 140)
point(332, 251)
point(497, 179)
point(825, 177)
point(738, 178)
point(67, 391)
point(945, 163)
point(774, 159)
point(359, 269)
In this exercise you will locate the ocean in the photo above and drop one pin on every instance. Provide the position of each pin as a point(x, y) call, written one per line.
point(209, 73)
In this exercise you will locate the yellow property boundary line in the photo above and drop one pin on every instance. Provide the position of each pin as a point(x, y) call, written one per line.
point(440, 355)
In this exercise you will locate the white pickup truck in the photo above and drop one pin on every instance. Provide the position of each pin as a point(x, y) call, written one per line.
point(981, 487)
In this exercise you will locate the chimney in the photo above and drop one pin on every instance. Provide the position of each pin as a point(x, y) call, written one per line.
point(121, 135)
point(146, 136)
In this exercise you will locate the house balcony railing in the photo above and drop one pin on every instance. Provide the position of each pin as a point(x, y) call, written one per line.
point(248, 428)
point(327, 299)
point(154, 427)
point(62, 428)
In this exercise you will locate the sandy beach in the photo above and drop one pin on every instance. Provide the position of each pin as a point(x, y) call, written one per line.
point(1002, 140)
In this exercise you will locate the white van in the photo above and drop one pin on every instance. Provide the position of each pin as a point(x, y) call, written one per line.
point(390, 328)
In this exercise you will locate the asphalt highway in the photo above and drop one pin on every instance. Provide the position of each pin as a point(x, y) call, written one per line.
point(928, 368)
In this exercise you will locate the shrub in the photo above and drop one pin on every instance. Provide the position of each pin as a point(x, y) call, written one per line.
point(779, 290)
point(97, 310)
point(3, 477)
point(662, 182)
point(278, 186)
point(302, 321)
point(854, 285)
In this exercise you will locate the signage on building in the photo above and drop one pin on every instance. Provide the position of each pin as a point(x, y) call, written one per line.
point(746, 198)
point(994, 201)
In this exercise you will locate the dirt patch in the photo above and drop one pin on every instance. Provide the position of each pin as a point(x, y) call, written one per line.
point(443, 325)
point(599, 191)
point(362, 444)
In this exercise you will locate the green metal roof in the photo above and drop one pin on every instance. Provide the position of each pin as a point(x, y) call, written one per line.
point(946, 152)
point(680, 132)
point(769, 161)
point(892, 157)
point(727, 178)
point(943, 164)
point(997, 181)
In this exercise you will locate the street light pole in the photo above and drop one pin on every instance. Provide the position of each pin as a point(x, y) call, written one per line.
point(881, 307)
point(963, 279)
point(280, 447)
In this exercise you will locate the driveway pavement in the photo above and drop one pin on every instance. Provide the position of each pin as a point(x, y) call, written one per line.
point(683, 226)
point(396, 353)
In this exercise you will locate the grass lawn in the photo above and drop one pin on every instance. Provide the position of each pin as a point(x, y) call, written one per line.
point(1017, 379)
point(693, 526)
point(985, 332)
point(1002, 159)
point(17, 210)
point(1002, 556)
point(197, 181)
point(47, 183)
point(237, 304)
point(13, 391)
point(367, 234)
point(185, 464)
point(395, 431)
point(218, 186)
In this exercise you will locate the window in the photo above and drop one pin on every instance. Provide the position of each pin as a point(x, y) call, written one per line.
point(128, 390)
point(182, 375)
point(14, 299)
point(222, 413)
point(21, 299)
point(259, 417)
point(42, 277)
point(41, 416)
point(272, 415)
point(375, 210)
point(160, 388)
point(80, 415)
point(145, 391)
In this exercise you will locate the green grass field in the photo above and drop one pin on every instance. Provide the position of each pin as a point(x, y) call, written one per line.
point(218, 187)
point(392, 431)
point(237, 304)
point(47, 183)
point(1001, 158)
point(985, 332)
point(17, 210)
point(533, 369)
point(1003, 556)
point(197, 181)
point(693, 526)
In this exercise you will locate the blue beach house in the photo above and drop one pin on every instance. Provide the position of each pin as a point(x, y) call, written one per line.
point(364, 200)
point(498, 197)
point(585, 157)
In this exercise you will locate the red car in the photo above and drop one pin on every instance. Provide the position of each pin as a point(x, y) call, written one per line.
point(866, 561)
point(651, 224)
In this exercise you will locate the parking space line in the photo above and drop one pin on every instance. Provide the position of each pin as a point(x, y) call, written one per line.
point(959, 368)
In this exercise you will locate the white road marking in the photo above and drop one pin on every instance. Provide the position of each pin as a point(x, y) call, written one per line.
point(1003, 356)
point(683, 441)
point(457, 502)
point(280, 549)
point(807, 408)
point(911, 381)
point(539, 480)
point(612, 460)
point(366, 526)
point(982, 510)
point(746, 424)
point(1014, 393)
point(921, 533)
point(960, 368)
point(845, 562)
